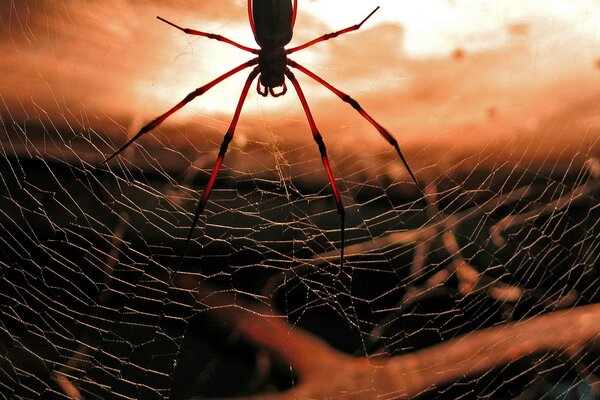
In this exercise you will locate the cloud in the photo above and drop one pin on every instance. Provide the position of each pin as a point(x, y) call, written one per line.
point(107, 67)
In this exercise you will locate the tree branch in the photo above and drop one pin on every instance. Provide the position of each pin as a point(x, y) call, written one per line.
point(325, 372)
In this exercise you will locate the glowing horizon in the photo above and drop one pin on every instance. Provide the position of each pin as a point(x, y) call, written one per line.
point(429, 29)
point(520, 65)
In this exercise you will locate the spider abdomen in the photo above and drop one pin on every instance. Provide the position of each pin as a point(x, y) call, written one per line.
point(272, 22)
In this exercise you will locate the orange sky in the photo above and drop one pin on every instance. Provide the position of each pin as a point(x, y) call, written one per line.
point(524, 77)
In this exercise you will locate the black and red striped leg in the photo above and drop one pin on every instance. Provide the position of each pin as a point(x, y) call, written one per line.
point(210, 36)
point(191, 96)
point(319, 140)
point(226, 140)
point(346, 98)
point(331, 35)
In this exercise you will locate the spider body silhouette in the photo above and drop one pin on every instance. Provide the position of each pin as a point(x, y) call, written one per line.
point(272, 22)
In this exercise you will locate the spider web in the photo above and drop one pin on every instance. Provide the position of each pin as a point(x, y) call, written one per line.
point(501, 130)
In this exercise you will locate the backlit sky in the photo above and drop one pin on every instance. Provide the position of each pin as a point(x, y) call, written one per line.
point(461, 75)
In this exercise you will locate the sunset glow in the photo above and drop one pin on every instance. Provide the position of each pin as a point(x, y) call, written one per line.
point(429, 29)
point(436, 27)
point(426, 70)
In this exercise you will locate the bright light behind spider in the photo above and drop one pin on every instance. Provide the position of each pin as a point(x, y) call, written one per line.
point(431, 28)
point(436, 27)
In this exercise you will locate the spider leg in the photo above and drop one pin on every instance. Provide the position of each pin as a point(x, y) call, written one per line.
point(226, 140)
point(319, 140)
point(191, 96)
point(259, 89)
point(346, 98)
point(278, 94)
point(331, 35)
point(294, 14)
point(210, 36)
point(250, 18)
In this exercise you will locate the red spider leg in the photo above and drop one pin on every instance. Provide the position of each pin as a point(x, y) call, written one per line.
point(294, 14)
point(259, 89)
point(331, 35)
point(210, 36)
point(346, 98)
point(226, 140)
point(250, 18)
point(191, 96)
point(319, 140)
point(278, 94)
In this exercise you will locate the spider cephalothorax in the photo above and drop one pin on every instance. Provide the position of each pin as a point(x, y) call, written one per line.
point(272, 22)
point(271, 64)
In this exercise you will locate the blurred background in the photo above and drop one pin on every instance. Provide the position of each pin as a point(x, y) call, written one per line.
point(495, 104)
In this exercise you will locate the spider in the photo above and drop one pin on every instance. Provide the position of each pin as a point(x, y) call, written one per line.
point(272, 22)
